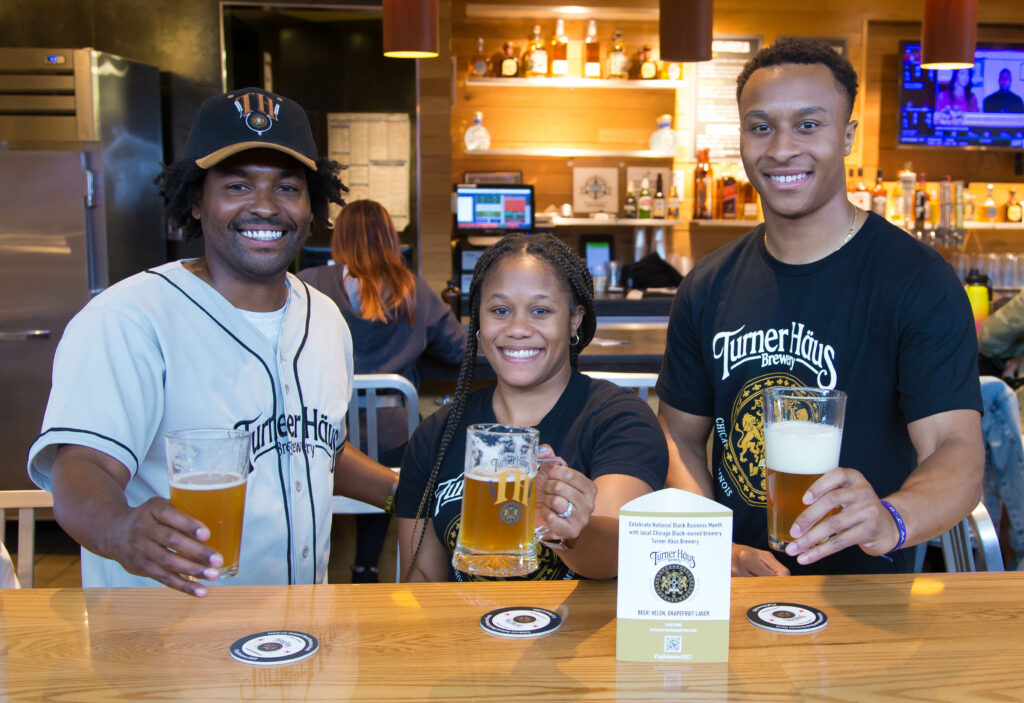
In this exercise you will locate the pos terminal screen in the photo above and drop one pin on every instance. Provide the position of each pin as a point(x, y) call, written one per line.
point(495, 208)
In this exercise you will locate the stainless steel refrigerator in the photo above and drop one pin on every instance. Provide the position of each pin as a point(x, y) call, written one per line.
point(80, 145)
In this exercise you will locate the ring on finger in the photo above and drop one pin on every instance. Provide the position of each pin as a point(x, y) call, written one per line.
point(567, 513)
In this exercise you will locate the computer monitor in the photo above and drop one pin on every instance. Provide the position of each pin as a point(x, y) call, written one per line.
point(493, 209)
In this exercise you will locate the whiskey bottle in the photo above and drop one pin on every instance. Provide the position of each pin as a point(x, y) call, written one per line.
point(509, 66)
point(702, 185)
point(478, 67)
point(618, 59)
point(559, 51)
point(728, 207)
point(647, 68)
point(1014, 212)
point(672, 204)
point(535, 60)
point(658, 206)
point(643, 203)
point(629, 208)
point(592, 52)
point(879, 197)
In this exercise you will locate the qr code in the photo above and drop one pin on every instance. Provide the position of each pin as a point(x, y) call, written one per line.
point(673, 644)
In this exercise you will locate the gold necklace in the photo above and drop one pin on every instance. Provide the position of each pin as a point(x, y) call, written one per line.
point(849, 234)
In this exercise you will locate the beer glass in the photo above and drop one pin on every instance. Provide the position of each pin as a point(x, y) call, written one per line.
point(803, 430)
point(496, 534)
point(208, 471)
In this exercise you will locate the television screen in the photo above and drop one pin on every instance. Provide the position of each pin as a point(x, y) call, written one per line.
point(981, 106)
point(497, 208)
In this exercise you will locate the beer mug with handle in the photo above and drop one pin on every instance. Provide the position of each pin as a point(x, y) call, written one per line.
point(208, 472)
point(803, 432)
point(499, 493)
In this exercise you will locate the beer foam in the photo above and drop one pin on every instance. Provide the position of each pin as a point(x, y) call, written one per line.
point(801, 447)
point(207, 482)
point(488, 475)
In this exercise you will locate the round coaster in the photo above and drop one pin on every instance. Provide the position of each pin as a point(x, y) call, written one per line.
point(274, 647)
point(520, 623)
point(790, 618)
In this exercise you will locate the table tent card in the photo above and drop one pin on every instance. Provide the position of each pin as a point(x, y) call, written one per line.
point(675, 554)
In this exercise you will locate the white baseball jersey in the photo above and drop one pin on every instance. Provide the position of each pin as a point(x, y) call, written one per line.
point(164, 351)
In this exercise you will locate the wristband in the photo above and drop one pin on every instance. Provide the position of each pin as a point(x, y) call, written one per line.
point(900, 525)
point(389, 502)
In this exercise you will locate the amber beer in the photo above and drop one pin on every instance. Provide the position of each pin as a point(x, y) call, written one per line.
point(218, 501)
point(802, 437)
point(496, 534)
point(207, 476)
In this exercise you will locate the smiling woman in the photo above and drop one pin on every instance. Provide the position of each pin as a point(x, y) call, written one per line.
point(531, 312)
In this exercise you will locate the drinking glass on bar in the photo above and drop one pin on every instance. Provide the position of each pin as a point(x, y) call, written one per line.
point(496, 533)
point(208, 471)
point(803, 431)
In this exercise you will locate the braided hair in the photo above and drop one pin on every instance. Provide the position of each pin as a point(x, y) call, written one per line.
point(572, 276)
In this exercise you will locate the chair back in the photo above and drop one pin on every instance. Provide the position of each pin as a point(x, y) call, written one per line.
point(642, 383)
point(368, 390)
point(972, 544)
point(25, 502)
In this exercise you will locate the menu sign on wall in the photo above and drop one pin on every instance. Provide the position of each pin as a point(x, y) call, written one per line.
point(717, 118)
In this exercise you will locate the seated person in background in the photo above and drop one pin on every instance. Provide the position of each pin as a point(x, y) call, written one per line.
point(956, 98)
point(532, 312)
point(1004, 99)
point(228, 340)
point(394, 318)
point(824, 295)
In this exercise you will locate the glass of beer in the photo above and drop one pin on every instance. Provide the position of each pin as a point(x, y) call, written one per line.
point(208, 472)
point(803, 431)
point(496, 534)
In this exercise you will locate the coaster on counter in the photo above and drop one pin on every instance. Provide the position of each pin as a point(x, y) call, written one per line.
point(791, 618)
point(274, 647)
point(519, 623)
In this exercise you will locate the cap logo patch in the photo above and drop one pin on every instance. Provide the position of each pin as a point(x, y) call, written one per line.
point(258, 111)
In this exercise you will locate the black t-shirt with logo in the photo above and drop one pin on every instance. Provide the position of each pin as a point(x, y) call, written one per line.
point(884, 319)
point(597, 427)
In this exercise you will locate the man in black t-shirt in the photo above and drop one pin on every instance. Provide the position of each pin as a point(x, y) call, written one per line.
point(1004, 99)
point(828, 296)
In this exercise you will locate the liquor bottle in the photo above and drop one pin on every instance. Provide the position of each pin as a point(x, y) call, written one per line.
point(861, 195)
point(453, 296)
point(728, 209)
point(618, 59)
point(592, 52)
point(646, 67)
point(478, 65)
point(559, 57)
point(658, 205)
point(672, 204)
point(702, 185)
point(509, 65)
point(535, 60)
point(629, 208)
point(643, 203)
point(477, 137)
point(990, 210)
point(1013, 211)
point(879, 197)
point(920, 203)
point(896, 215)
point(671, 71)
point(663, 139)
point(748, 198)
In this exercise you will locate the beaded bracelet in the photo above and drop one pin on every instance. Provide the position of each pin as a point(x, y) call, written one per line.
point(900, 525)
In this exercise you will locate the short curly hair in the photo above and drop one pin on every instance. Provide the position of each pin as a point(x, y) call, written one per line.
point(802, 50)
point(181, 181)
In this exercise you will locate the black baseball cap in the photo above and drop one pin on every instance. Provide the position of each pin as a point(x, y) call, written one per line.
point(249, 118)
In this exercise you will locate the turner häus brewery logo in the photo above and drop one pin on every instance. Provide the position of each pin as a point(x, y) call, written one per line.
point(673, 583)
point(258, 111)
point(776, 347)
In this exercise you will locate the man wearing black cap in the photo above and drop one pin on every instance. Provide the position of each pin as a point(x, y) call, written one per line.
point(228, 340)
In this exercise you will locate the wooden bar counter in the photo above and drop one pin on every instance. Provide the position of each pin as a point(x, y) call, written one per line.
point(929, 637)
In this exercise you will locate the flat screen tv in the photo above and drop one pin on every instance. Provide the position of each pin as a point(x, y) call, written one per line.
point(498, 209)
point(980, 107)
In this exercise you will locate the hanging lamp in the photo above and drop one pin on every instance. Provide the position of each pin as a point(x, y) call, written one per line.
point(411, 29)
point(684, 29)
point(949, 33)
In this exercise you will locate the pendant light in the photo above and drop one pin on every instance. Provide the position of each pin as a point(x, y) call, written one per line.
point(949, 33)
point(411, 29)
point(684, 29)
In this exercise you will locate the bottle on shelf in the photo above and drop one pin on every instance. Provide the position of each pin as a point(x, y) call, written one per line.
point(535, 60)
point(746, 204)
point(478, 65)
point(664, 138)
point(658, 205)
point(702, 185)
point(1013, 211)
point(453, 296)
point(592, 52)
point(861, 195)
point(559, 56)
point(920, 213)
point(477, 137)
point(672, 204)
point(671, 71)
point(629, 208)
point(508, 66)
point(643, 203)
point(728, 207)
point(879, 197)
point(990, 211)
point(644, 67)
point(618, 59)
